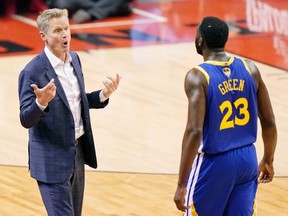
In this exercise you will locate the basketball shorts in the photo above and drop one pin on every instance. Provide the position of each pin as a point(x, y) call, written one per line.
point(223, 184)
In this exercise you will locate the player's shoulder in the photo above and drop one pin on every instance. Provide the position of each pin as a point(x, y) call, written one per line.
point(198, 74)
point(251, 65)
point(195, 79)
point(253, 70)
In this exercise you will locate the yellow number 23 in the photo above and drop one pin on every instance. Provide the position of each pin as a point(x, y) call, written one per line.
point(241, 105)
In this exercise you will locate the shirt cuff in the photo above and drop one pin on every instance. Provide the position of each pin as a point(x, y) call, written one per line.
point(41, 107)
point(102, 97)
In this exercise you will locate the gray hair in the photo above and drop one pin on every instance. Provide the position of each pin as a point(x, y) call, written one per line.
point(44, 17)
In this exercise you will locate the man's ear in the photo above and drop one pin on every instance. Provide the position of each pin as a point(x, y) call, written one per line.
point(43, 36)
point(200, 41)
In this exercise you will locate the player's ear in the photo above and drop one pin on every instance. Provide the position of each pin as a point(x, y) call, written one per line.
point(200, 41)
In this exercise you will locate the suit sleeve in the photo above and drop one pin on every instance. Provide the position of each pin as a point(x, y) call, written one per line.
point(94, 100)
point(30, 113)
point(93, 97)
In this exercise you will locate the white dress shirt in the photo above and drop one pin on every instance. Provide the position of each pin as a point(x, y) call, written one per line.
point(69, 82)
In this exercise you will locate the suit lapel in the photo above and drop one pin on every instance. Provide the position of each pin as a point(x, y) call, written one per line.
point(50, 73)
point(78, 72)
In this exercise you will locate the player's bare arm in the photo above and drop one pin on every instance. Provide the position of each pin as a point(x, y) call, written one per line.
point(268, 125)
point(195, 88)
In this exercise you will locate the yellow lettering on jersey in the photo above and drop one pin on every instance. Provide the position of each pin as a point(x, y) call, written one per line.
point(231, 85)
point(241, 85)
point(222, 90)
point(226, 86)
point(235, 82)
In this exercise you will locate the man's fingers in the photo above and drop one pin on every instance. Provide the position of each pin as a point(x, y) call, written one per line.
point(35, 87)
point(260, 176)
point(181, 206)
point(269, 169)
point(179, 199)
point(265, 177)
point(46, 91)
point(118, 77)
point(110, 85)
point(116, 80)
point(50, 84)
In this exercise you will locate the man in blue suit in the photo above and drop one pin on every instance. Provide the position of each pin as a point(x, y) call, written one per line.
point(55, 108)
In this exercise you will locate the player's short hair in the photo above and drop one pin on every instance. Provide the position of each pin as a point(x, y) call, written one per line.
point(44, 17)
point(214, 32)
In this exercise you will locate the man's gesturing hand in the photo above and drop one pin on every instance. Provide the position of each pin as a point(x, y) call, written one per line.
point(46, 94)
point(111, 85)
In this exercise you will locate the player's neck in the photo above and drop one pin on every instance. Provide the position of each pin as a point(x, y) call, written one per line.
point(216, 55)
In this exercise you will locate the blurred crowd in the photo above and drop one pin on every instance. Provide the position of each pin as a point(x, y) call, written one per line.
point(79, 10)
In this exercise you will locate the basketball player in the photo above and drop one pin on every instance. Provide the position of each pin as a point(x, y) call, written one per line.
point(219, 172)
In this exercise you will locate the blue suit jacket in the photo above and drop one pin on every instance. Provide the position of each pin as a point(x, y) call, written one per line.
point(51, 132)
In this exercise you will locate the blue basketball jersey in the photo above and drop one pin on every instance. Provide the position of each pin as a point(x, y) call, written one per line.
point(231, 106)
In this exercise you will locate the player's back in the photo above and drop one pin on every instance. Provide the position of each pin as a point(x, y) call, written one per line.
point(231, 106)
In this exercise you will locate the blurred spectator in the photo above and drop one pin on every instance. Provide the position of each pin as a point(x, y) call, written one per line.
point(10, 7)
point(87, 10)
